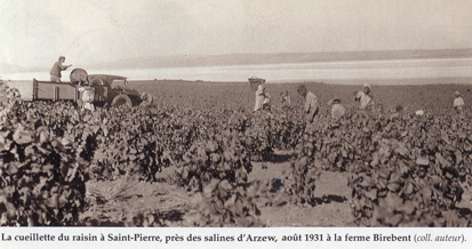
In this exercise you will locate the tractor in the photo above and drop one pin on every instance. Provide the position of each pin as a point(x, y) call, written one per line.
point(110, 90)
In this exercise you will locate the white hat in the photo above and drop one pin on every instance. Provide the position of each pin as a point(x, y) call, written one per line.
point(419, 113)
point(334, 101)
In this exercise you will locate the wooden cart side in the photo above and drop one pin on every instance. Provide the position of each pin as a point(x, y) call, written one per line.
point(47, 90)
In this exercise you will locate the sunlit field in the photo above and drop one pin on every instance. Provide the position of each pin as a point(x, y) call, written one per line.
point(199, 156)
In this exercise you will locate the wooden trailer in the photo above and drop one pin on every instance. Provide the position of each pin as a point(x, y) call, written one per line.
point(45, 90)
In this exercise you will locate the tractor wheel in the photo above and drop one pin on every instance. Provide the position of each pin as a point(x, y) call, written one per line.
point(121, 100)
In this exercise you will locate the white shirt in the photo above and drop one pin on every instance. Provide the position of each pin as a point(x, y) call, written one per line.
point(260, 97)
point(87, 97)
point(458, 102)
point(88, 94)
point(364, 99)
point(419, 113)
point(266, 99)
point(311, 106)
point(286, 100)
point(337, 111)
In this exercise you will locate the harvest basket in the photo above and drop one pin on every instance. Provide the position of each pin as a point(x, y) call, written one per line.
point(254, 82)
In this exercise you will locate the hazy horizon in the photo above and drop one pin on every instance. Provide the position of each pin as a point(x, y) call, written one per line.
point(433, 69)
point(236, 59)
point(91, 32)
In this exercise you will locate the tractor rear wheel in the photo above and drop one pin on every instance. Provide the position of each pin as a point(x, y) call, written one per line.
point(121, 100)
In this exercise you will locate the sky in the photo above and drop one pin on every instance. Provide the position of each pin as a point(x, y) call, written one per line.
point(34, 33)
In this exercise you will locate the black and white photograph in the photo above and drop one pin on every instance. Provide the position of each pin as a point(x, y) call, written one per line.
point(236, 113)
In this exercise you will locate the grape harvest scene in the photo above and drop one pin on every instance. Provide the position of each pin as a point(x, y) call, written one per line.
point(236, 113)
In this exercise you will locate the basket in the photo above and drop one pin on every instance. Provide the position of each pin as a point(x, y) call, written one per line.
point(254, 82)
point(78, 75)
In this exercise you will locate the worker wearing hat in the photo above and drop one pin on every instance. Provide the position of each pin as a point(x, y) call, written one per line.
point(337, 109)
point(364, 97)
point(458, 103)
point(57, 68)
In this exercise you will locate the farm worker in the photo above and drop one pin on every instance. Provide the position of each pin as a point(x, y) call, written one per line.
point(285, 100)
point(337, 109)
point(261, 97)
point(87, 94)
point(364, 97)
point(419, 113)
point(397, 112)
point(458, 103)
point(311, 103)
point(57, 68)
point(266, 102)
point(147, 99)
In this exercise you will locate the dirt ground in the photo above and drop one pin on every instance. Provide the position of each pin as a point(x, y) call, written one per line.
point(124, 197)
point(331, 210)
point(127, 196)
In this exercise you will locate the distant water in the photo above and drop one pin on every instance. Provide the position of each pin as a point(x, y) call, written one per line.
point(346, 70)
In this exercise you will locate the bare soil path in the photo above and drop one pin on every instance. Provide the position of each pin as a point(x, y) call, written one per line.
point(332, 208)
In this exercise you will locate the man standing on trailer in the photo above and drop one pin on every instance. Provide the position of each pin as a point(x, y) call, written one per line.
point(57, 68)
